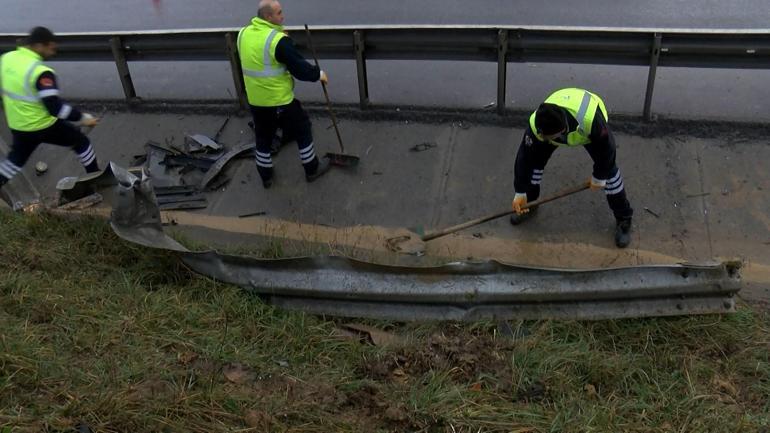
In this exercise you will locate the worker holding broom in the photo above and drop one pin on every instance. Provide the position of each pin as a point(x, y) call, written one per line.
point(571, 118)
point(269, 60)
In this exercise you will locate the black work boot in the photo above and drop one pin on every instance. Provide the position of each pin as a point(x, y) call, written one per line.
point(323, 168)
point(623, 233)
point(518, 218)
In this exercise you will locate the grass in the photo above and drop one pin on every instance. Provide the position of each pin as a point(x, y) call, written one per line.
point(101, 333)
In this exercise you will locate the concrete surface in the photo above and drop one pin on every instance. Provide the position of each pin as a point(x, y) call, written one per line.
point(706, 198)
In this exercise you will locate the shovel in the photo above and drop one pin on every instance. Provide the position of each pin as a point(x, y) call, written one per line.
point(339, 159)
point(405, 244)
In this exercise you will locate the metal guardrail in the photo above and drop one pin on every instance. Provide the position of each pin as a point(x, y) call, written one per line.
point(696, 48)
point(344, 286)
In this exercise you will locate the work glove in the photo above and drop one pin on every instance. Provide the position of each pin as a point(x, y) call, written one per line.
point(324, 78)
point(519, 200)
point(596, 184)
point(87, 120)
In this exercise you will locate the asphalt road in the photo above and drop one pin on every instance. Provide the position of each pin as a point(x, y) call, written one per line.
point(100, 15)
point(724, 94)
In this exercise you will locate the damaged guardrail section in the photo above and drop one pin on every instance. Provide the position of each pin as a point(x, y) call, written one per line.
point(455, 291)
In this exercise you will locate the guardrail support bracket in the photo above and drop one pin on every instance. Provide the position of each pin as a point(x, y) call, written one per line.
point(118, 53)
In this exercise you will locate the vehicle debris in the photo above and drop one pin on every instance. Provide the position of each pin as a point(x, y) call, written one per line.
point(651, 212)
point(83, 203)
point(422, 147)
point(40, 168)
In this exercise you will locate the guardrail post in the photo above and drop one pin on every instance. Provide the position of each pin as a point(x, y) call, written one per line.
point(502, 68)
point(235, 68)
point(363, 82)
point(654, 57)
point(125, 74)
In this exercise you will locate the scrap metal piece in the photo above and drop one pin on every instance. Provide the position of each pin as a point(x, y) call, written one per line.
point(185, 160)
point(179, 197)
point(83, 203)
point(40, 167)
point(652, 212)
point(422, 147)
point(457, 291)
point(217, 167)
point(156, 169)
point(175, 189)
point(198, 142)
point(135, 214)
point(251, 214)
point(184, 205)
point(73, 188)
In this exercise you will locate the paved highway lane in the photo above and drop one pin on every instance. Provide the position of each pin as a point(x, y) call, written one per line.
point(732, 94)
point(101, 15)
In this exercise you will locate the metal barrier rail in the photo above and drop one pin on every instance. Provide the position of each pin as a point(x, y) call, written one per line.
point(344, 286)
point(696, 48)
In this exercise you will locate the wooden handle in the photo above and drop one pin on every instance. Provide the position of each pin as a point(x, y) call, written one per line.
point(465, 225)
point(326, 93)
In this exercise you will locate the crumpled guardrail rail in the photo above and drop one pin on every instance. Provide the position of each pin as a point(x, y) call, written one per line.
point(457, 291)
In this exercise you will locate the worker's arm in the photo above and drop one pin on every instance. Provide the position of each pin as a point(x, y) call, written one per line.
point(48, 92)
point(532, 155)
point(601, 148)
point(528, 168)
point(286, 53)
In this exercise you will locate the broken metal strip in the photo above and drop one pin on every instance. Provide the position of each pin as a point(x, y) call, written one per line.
point(461, 290)
point(175, 189)
point(184, 205)
point(179, 198)
point(217, 167)
point(187, 160)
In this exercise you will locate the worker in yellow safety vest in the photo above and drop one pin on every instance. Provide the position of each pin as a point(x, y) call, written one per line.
point(571, 118)
point(33, 109)
point(270, 62)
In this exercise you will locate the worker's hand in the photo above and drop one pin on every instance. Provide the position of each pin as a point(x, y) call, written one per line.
point(519, 200)
point(88, 120)
point(324, 78)
point(596, 184)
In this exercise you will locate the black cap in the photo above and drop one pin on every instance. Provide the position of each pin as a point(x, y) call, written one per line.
point(550, 119)
point(40, 35)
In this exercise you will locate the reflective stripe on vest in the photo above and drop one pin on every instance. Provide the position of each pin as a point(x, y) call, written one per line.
point(268, 70)
point(24, 109)
point(29, 95)
point(583, 112)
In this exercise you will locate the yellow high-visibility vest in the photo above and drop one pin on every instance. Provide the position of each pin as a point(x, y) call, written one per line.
point(24, 109)
point(268, 83)
point(581, 104)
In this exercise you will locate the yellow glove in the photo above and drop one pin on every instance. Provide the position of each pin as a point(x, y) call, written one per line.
point(596, 184)
point(324, 78)
point(519, 200)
